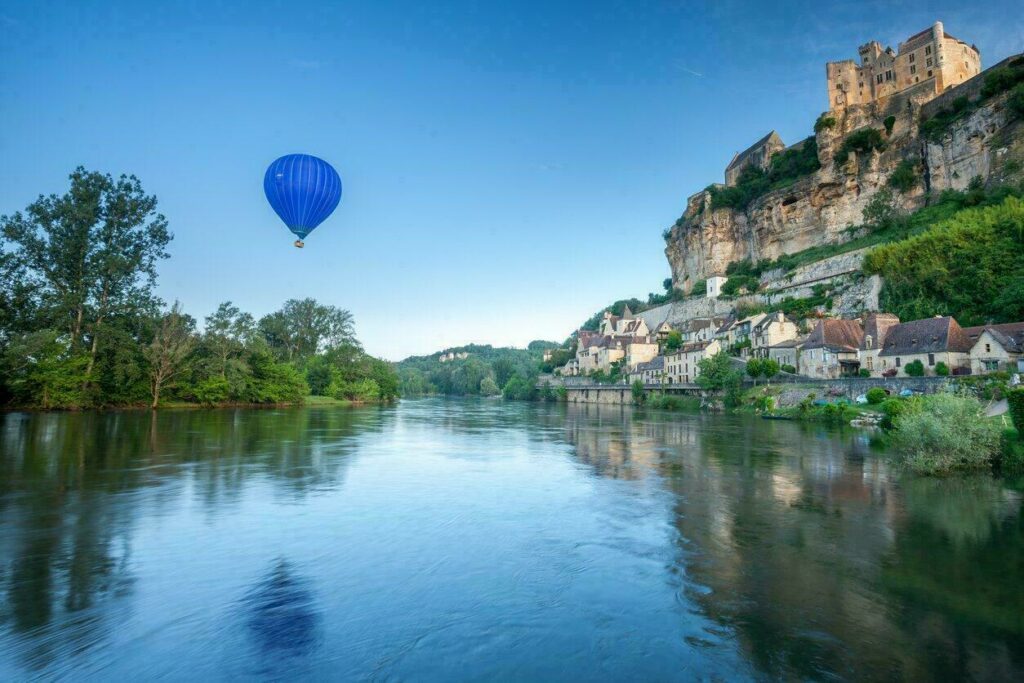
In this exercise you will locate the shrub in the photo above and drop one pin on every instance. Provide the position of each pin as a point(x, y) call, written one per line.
point(1015, 398)
point(914, 369)
point(824, 122)
point(1011, 459)
point(894, 408)
point(639, 395)
point(889, 122)
point(864, 372)
point(789, 368)
point(948, 433)
point(212, 391)
point(904, 177)
point(488, 387)
point(764, 404)
point(1016, 101)
point(876, 396)
point(861, 141)
point(941, 369)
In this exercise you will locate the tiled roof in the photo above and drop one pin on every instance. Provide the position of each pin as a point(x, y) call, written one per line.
point(838, 335)
point(877, 326)
point(1010, 335)
point(658, 363)
point(930, 335)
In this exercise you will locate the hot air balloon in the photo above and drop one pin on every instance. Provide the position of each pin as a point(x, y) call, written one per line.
point(303, 190)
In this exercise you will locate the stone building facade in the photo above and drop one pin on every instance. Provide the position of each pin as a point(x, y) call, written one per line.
point(930, 55)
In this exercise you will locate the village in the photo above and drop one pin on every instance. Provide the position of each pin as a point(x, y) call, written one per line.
point(872, 345)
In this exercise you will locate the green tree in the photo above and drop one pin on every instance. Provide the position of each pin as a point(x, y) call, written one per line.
point(639, 393)
point(168, 353)
point(44, 371)
point(769, 368)
point(674, 341)
point(305, 327)
point(488, 387)
point(93, 252)
point(755, 369)
point(716, 373)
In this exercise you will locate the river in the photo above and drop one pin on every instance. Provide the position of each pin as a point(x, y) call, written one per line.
point(441, 540)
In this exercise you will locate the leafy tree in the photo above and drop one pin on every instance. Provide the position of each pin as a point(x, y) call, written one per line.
point(876, 395)
point(94, 252)
point(488, 387)
point(44, 371)
point(168, 353)
point(212, 391)
point(1015, 399)
point(503, 369)
point(755, 369)
point(769, 368)
point(272, 381)
point(639, 393)
point(305, 327)
point(227, 331)
point(717, 374)
point(519, 388)
point(674, 341)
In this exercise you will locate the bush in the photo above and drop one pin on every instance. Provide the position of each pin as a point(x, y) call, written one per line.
point(889, 122)
point(949, 433)
point(861, 141)
point(864, 372)
point(1016, 101)
point(824, 122)
point(1015, 398)
point(488, 387)
point(1011, 459)
point(894, 408)
point(212, 391)
point(789, 368)
point(764, 404)
point(363, 390)
point(914, 369)
point(639, 395)
point(876, 396)
point(785, 167)
point(941, 369)
point(904, 177)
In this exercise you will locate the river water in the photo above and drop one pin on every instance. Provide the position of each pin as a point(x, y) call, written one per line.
point(441, 540)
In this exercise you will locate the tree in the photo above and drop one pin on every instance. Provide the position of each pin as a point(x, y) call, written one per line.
point(168, 354)
point(769, 368)
point(755, 369)
point(488, 387)
point(674, 340)
point(639, 394)
point(42, 370)
point(94, 252)
point(303, 328)
point(717, 374)
point(227, 331)
point(503, 369)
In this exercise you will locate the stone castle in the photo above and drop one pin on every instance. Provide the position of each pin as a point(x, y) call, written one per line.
point(891, 92)
point(931, 56)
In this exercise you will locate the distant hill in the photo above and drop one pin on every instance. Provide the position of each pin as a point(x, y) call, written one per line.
point(470, 370)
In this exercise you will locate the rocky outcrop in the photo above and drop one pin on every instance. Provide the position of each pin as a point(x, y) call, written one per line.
point(826, 206)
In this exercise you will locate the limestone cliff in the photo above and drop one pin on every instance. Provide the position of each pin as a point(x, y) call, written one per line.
point(822, 207)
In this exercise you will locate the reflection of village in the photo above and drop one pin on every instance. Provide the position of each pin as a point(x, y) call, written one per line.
point(873, 345)
point(786, 529)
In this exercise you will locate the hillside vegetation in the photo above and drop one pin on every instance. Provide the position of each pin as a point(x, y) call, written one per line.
point(486, 371)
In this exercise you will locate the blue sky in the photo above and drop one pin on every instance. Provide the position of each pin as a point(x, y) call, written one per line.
point(508, 167)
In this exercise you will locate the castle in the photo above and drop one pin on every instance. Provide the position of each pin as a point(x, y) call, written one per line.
point(932, 57)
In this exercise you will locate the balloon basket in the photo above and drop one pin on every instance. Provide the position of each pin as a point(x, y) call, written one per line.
point(300, 244)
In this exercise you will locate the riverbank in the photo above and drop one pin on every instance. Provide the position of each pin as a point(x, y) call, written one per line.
point(308, 401)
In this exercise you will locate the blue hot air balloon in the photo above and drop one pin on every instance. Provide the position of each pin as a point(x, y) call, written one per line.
point(303, 190)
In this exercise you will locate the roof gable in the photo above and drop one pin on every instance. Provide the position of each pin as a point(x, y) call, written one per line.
point(931, 335)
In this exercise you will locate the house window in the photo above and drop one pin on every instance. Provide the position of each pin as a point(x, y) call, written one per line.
point(931, 359)
point(911, 60)
point(867, 341)
point(871, 365)
point(913, 68)
point(897, 361)
point(878, 78)
point(988, 348)
point(928, 50)
point(928, 62)
point(888, 75)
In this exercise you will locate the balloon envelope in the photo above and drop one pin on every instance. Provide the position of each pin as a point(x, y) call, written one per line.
point(303, 190)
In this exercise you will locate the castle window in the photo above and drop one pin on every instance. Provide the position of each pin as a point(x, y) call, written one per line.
point(929, 73)
point(928, 50)
point(888, 75)
point(913, 68)
point(929, 62)
point(911, 58)
point(878, 78)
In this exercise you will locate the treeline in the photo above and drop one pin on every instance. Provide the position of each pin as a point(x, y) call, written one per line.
point(81, 327)
point(485, 371)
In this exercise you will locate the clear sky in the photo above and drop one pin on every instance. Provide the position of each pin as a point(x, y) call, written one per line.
point(508, 166)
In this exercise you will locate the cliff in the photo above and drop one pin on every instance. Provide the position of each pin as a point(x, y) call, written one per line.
point(825, 206)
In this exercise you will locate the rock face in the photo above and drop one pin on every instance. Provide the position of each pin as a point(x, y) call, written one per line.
point(821, 208)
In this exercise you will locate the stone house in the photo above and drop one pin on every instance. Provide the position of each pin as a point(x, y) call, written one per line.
point(700, 329)
point(930, 61)
point(931, 341)
point(640, 350)
point(681, 366)
point(773, 329)
point(714, 286)
point(831, 350)
point(996, 348)
point(876, 327)
point(651, 372)
point(787, 352)
point(758, 154)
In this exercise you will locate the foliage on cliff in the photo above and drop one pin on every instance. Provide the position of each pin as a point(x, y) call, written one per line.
point(81, 326)
point(786, 168)
point(970, 266)
point(863, 141)
point(1007, 78)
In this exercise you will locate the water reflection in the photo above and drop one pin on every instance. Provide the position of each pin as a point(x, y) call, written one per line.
point(493, 540)
point(281, 611)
